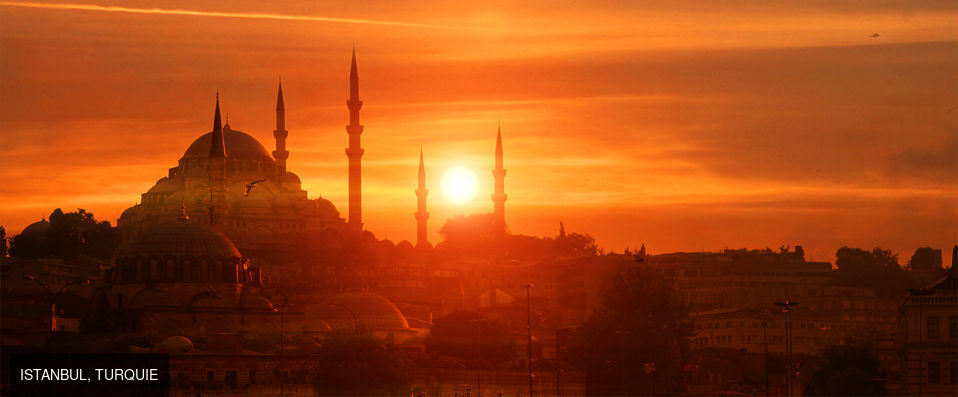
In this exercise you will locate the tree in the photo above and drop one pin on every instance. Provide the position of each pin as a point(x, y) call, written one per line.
point(355, 362)
point(458, 335)
point(925, 258)
point(71, 235)
point(476, 233)
point(642, 324)
point(877, 268)
point(847, 370)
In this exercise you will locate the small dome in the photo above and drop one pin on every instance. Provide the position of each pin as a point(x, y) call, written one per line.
point(370, 309)
point(404, 245)
point(164, 185)
point(325, 207)
point(36, 230)
point(291, 179)
point(181, 237)
point(239, 145)
point(129, 212)
point(176, 344)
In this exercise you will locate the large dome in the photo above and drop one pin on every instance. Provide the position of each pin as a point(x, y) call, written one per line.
point(239, 145)
point(370, 309)
point(181, 237)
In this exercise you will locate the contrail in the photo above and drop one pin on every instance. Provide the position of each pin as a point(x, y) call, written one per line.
point(160, 11)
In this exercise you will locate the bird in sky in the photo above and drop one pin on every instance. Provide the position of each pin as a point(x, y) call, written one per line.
point(874, 35)
point(249, 186)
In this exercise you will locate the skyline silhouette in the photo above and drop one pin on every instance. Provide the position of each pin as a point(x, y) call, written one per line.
point(681, 141)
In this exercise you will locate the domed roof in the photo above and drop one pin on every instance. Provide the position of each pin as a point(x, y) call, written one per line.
point(324, 206)
point(180, 237)
point(239, 145)
point(164, 185)
point(36, 230)
point(291, 179)
point(176, 344)
point(370, 309)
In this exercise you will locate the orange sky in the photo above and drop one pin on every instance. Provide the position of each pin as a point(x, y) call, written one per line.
point(675, 124)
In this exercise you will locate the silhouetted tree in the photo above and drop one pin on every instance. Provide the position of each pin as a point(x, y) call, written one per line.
point(847, 370)
point(357, 363)
point(475, 233)
point(642, 322)
point(457, 335)
point(925, 258)
point(3, 242)
point(877, 268)
point(71, 235)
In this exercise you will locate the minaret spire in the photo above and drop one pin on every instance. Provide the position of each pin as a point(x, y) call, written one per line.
point(354, 152)
point(280, 154)
point(217, 170)
point(422, 238)
point(218, 143)
point(499, 196)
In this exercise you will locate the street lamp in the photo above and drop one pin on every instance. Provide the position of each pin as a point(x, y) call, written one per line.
point(52, 297)
point(351, 312)
point(529, 288)
point(787, 306)
point(282, 345)
point(921, 293)
point(765, 317)
point(478, 322)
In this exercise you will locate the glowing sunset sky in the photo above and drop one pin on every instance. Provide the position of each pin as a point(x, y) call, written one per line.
point(679, 125)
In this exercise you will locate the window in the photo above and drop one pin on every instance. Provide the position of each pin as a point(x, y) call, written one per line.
point(932, 323)
point(953, 372)
point(252, 376)
point(953, 326)
point(230, 379)
point(934, 372)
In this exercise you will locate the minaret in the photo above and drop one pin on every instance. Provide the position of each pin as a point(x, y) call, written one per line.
point(499, 197)
point(217, 171)
point(280, 154)
point(355, 151)
point(421, 215)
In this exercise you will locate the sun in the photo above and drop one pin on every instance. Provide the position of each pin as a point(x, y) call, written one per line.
point(459, 184)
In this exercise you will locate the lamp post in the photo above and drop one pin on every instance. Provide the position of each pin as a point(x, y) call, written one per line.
point(921, 293)
point(478, 322)
point(786, 306)
point(282, 346)
point(52, 297)
point(351, 313)
point(529, 288)
point(765, 317)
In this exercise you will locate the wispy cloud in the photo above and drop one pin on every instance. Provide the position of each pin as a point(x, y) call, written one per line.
point(270, 16)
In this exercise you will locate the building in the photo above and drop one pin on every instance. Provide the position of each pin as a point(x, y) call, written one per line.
point(226, 178)
point(929, 337)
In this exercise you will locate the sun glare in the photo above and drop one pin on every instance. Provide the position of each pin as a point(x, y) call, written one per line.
point(459, 184)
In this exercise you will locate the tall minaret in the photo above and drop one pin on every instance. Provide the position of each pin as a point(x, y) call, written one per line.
point(280, 154)
point(217, 171)
point(499, 197)
point(355, 151)
point(421, 215)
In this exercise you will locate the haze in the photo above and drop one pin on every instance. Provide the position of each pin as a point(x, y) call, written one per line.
point(679, 125)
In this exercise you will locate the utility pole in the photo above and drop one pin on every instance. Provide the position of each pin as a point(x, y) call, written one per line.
point(787, 306)
point(529, 288)
point(282, 346)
